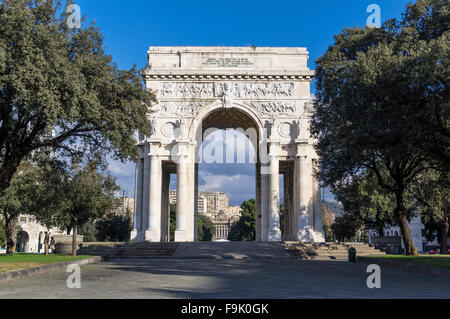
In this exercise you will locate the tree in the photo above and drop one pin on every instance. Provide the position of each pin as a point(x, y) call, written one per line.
point(114, 228)
point(60, 91)
point(366, 201)
point(328, 217)
point(173, 221)
point(345, 227)
point(84, 193)
point(245, 228)
point(432, 192)
point(2, 233)
point(382, 96)
point(206, 229)
point(16, 199)
point(89, 232)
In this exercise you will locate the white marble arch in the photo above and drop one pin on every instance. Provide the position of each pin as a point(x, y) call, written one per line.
point(196, 129)
point(218, 105)
point(267, 89)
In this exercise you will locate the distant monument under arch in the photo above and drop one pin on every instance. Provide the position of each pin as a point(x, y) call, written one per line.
point(264, 91)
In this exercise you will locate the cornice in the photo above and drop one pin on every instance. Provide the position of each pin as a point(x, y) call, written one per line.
point(223, 75)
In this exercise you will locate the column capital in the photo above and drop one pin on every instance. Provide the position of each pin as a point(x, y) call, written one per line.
point(305, 151)
point(153, 149)
point(274, 149)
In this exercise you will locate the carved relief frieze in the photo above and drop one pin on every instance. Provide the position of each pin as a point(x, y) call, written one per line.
point(274, 108)
point(218, 89)
point(180, 108)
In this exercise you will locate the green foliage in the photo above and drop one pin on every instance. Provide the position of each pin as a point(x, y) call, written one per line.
point(345, 227)
point(2, 233)
point(114, 228)
point(89, 232)
point(20, 197)
point(173, 221)
point(382, 103)
point(245, 228)
point(432, 192)
point(368, 203)
point(431, 261)
point(206, 229)
point(82, 193)
point(60, 91)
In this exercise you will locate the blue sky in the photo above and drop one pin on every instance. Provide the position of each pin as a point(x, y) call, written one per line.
point(130, 27)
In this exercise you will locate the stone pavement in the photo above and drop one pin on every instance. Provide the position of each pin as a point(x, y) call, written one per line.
point(228, 278)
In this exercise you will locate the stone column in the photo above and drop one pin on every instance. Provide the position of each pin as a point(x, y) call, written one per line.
point(274, 200)
point(165, 206)
point(318, 229)
point(191, 219)
point(265, 204)
point(182, 199)
point(286, 210)
point(258, 202)
point(153, 233)
point(146, 195)
point(196, 203)
point(138, 195)
point(305, 197)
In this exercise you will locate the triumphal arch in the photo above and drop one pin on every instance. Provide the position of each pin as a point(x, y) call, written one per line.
point(265, 92)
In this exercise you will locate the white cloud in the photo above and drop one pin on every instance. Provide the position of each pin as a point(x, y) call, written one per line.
point(120, 169)
point(238, 187)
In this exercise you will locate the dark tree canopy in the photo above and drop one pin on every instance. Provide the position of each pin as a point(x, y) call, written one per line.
point(382, 103)
point(432, 193)
point(245, 228)
point(60, 91)
point(114, 228)
point(206, 229)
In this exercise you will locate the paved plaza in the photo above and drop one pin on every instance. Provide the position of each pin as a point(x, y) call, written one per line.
point(228, 278)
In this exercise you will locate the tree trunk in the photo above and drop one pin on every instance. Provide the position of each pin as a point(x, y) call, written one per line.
point(7, 232)
point(7, 172)
point(381, 232)
point(400, 212)
point(443, 236)
point(46, 239)
point(10, 228)
point(74, 241)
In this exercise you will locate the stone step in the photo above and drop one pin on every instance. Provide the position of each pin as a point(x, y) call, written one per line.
point(329, 251)
point(130, 251)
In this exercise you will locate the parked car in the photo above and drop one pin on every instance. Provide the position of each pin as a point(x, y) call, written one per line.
point(435, 250)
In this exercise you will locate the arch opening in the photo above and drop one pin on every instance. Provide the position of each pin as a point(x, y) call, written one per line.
point(227, 168)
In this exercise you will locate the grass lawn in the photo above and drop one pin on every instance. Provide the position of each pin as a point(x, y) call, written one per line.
point(22, 261)
point(439, 261)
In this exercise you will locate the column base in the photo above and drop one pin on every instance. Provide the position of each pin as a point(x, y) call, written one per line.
point(137, 236)
point(180, 236)
point(274, 235)
point(306, 235)
point(153, 236)
point(318, 237)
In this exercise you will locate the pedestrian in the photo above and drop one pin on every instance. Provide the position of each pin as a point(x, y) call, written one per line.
point(52, 245)
point(11, 247)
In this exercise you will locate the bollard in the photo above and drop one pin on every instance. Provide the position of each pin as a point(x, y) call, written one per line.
point(352, 255)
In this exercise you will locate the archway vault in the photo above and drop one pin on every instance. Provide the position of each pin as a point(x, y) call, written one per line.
point(199, 88)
